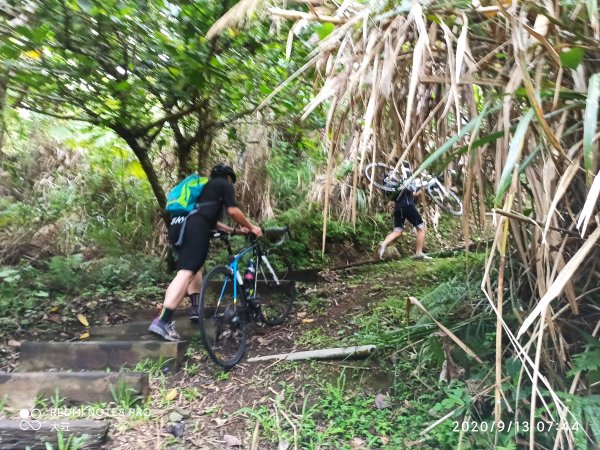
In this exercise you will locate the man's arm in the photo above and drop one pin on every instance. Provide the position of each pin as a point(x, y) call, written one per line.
point(227, 229)
point(236, 214)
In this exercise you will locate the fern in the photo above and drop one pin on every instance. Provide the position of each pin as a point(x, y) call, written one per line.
point(588, 359)
point(591, 412)
point(585, 411)
point(444, 300)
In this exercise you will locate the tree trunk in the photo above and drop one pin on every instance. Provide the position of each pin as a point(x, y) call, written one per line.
point(140, 148)
point(204, 151)
point(182, 150)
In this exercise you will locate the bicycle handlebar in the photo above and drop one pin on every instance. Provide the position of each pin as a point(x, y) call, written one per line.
point(220, 234)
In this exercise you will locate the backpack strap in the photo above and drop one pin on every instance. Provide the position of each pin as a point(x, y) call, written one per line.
point(193, 211)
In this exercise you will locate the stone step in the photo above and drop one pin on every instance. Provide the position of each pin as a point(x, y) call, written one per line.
point(139, 330)
point(97, 355)
point(33, 434)
point(21, 388)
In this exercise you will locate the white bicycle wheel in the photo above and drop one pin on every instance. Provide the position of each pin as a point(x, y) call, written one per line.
point(448, 201)
point(383, 176)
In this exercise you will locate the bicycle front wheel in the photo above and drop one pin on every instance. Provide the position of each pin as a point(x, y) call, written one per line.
point(448, 201)
point(275, 287)
point(224, 320)
point(383, 176)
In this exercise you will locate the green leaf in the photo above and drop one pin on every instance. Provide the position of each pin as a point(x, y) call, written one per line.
point(323, 30)
point(134, 168)
point(122, 86)
point(572, 58)
point(9, 51)
point(112, 103)
point(590, 122)
point(175, 71)
point(41, 294)
point(6, 273)
point(514, 154)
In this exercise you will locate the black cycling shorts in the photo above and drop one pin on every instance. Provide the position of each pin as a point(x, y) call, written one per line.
point(410, 213)
point(193, 251)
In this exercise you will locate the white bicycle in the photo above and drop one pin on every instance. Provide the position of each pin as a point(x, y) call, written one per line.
point(391, 180)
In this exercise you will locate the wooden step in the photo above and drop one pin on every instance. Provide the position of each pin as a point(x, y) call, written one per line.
point(24, 433)
point(78, 388)
point(97, 355)
point(139, 330)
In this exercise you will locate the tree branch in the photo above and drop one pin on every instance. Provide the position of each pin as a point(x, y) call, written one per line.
point(142, 131)
point(91, 120)
point(222, 123)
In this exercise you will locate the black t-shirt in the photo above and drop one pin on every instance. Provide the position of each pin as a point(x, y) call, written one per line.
point(405, 198)
point(221, 194)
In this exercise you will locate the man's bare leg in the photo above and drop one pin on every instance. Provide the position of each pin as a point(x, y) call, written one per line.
point(389, 239)
point(420, 242)
point(177, 289)
point(163, 324)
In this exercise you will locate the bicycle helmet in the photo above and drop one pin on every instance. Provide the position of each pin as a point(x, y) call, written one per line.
point(223, 170)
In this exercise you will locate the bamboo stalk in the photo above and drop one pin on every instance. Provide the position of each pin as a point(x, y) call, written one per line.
point(536, 371)
point(498, 388)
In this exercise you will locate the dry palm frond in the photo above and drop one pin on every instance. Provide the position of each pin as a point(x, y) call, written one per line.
point(488, 88)
point(234, 16)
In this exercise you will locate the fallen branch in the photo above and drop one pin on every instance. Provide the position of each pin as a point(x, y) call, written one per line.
point(361, 351)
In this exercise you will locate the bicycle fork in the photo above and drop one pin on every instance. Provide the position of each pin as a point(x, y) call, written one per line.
point(268, 264)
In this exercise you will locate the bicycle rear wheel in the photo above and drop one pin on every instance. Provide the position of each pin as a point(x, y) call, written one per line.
point(275, 287)
point(383, 176)
point(448, 201)
point(224, 322)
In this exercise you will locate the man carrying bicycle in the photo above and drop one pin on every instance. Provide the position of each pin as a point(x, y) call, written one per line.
point(404, 209)
point(216, 195)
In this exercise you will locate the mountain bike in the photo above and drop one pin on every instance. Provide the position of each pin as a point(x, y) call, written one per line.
point(390, 179)
point(229, 303)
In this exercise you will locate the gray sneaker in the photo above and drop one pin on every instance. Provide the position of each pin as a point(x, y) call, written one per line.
point(422, 257)
point(164, 330)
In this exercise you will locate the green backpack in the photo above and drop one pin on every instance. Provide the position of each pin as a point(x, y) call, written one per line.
point(183, 197)
point(182, 201)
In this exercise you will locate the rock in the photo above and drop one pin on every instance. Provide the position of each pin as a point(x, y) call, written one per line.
point(175, 417)
point(184, 413)
point(13, 343)
point(232, 441)
point(357, 443)
point(381, 401)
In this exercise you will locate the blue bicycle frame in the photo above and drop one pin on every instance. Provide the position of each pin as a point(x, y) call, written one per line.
point(234, 267)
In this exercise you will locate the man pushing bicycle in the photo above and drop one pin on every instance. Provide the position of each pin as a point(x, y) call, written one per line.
point(192, 248)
